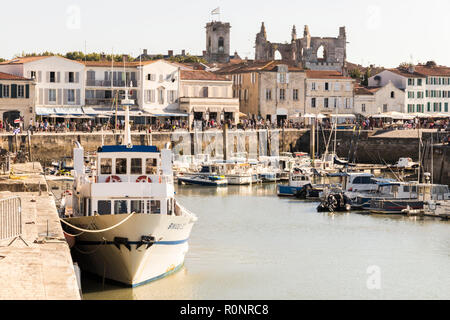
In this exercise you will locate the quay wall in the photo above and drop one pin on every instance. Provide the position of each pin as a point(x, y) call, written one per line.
point(372, 147)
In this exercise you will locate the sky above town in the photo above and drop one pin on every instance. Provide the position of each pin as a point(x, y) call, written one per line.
point(380, 32)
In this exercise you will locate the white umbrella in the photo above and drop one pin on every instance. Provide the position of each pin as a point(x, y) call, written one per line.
point(308, 115)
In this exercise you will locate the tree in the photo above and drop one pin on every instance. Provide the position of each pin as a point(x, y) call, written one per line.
point(367, 75)
point(2, 60)
point(405, 65)
point(355, 74)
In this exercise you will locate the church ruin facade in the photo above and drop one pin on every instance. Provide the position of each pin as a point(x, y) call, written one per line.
point(314, 53)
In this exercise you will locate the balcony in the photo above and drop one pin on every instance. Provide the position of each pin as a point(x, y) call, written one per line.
point(107, 83)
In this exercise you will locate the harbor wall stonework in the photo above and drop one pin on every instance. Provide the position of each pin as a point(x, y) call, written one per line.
point(369, 147)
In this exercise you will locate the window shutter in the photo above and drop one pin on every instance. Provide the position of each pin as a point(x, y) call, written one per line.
point(1, 91)
point(27, 91)
point(65, 97)
point(41, 97)
point(46, 96)
point(14, 91)
point(59, 98)
point(48, 76)
point(66, 77)
point(77, 77)
point(58, 77)
point(77, 97)
point(39, 76)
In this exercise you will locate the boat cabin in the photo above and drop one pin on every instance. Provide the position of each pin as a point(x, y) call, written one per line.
point(126, 180)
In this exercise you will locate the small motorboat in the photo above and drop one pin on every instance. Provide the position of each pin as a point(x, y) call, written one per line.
point(200, 180)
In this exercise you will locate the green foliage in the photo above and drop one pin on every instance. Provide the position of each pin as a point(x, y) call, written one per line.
point(187, 59)
point(405, 65)
point(77, 55)
point(2, 60)
point(355, 74)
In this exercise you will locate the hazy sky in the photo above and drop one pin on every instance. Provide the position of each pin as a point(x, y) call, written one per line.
point(381, 32)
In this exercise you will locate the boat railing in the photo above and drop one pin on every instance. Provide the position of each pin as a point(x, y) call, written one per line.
point(151, 179)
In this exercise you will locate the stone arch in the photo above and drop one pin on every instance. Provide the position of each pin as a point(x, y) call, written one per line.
point(321, 52)
point(221, 44)
point(277, 55)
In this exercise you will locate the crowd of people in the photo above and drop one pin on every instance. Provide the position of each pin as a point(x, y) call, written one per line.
point(91, 125)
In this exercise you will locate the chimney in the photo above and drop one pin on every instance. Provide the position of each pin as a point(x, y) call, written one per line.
point(204, 53)
point(170, 53)
point(145, 52)
point(411, 68)
point(183, 52)
point(125, 57)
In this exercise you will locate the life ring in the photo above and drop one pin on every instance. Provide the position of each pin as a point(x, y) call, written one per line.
point(143, 179)
point(67, 193)
point(113, 179)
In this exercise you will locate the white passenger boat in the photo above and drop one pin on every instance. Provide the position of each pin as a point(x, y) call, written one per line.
point(125, 219)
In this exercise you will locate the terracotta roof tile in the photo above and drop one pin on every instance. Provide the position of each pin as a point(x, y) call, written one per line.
point(201, 75)
point(363, 91)
point(256, 66)
point(7, 76)
point(319, 74)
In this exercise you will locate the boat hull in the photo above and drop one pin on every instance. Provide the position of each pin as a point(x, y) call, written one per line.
point(288, 191)
point(394, 206)
point(205, 183)
point(120, 254)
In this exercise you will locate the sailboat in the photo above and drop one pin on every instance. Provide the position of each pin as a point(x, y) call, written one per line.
point(122, 216)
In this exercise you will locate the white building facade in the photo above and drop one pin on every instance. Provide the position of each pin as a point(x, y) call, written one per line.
point(59, 82)
point(426, 87)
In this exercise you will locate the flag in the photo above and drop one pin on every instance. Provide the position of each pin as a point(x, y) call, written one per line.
point(16, 131)
point(17, 121)
point(216, 11)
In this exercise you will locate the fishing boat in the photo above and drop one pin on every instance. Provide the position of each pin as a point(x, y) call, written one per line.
point(127, 225)
point(299, 181)
point(404, 195)
point(203, 180)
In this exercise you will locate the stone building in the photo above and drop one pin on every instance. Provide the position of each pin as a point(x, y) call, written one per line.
point(374, 100)
point(272, 90)
point(17, 98)
point(217, 42)
point(314, 53)
point(206, 96)
point(328, 92)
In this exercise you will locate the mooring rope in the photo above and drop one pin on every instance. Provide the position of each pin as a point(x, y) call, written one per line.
point(98, 231)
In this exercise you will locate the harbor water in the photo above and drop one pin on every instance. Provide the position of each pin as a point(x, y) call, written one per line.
point(250, 244)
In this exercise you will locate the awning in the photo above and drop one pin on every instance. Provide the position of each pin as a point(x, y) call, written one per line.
point(230, 109)
point(199, 109)
point(90, 111)
point(156, 112)
point(215, 109)
point(69, 111)
point(45, 111)
point(343, 116)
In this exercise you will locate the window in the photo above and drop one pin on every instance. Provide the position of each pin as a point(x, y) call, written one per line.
point(268, 94)
point(121, 166)
point(52, 95)
point(106, 166)
point(313, 86)
point(161, 78)
point(71, 95)
point(20, 91)
point(282, 94)
point(410, 82)
point(205, 92)
point(136, 166)
point(313, 102)
point(253, 77)
point(52, 76)
point(337, 86)
point(33, 74)
point(419, 82)
point(246, 94)
point(137, 206)
point(385, 108)
point(161, 96)
point(104, 207)
point(411, 94)
point(282, 77)
point(295, 94)
point(120, 207)
point(221, 45)
point(154, 207)
point(325, 103)
point(151, 166)
point(151, 77)
point(71, 77)
point(363, 107)
point(6, 91)
point(347, 87)
point(327, 86)
point(392, 94)
point(446, 107)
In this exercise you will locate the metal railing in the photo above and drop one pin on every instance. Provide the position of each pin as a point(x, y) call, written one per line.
point(11, 219)
point(115, 83)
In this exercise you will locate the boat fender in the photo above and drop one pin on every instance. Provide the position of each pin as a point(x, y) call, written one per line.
point(149, 241)
point(122, 241)
point(113, 179)
point(143, 179)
